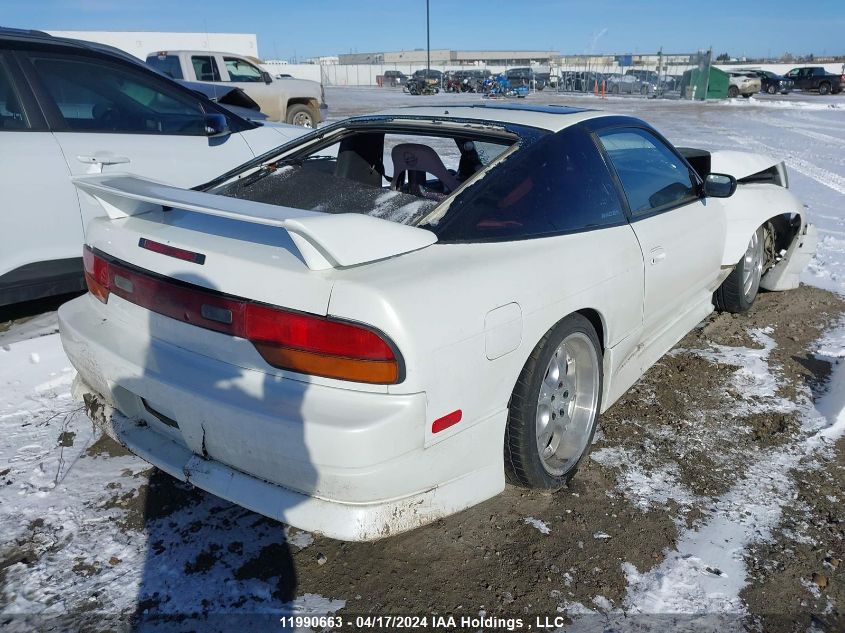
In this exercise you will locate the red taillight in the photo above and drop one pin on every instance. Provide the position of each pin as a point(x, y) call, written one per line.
point(303, 343)
point(96, 274)
point(323, 347)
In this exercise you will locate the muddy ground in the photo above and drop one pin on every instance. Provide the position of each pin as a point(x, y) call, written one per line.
point(688, 423)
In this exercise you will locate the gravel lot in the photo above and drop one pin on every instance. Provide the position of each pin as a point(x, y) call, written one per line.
point(713, 499)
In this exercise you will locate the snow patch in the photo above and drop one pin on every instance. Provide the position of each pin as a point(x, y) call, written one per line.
point(537, 523)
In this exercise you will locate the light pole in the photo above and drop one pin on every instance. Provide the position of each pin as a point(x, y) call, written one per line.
point(427, 44)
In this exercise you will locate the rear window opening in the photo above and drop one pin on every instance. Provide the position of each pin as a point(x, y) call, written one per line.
point(398, 176)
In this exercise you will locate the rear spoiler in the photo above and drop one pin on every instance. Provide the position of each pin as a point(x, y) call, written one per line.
point(324, 240)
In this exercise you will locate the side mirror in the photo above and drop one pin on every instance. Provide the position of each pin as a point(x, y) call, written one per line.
point(216, 125)
point(266, 77)
point(719, 185)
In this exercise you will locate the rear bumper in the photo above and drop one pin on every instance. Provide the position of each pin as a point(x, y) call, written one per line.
point(344, 463)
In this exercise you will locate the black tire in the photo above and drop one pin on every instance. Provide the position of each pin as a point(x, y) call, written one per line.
point(614, 90)
point(300, 114)
point(746, 96)
point(731, 296)
point(733, 92)
point(523, 464)
point(772, 89)
point(644, 90)
point(824, 88)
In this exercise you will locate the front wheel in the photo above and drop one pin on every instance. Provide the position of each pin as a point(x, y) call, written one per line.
point(554, 408)
point(740, 288)
point(733, 92)
point(772, 89)
point(301, 115)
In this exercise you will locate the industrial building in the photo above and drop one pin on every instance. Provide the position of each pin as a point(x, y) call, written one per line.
point(449, 57)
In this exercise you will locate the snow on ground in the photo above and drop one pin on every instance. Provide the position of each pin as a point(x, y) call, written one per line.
point(59, 517)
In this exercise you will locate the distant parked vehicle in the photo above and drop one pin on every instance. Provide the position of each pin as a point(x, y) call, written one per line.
point(465, 80)
point(772, 83)
point(526, 77)
point(70, 108)
point(816, 78)
point(295, 101)
point(627, 84)
point(743, 83)
point(392, 78)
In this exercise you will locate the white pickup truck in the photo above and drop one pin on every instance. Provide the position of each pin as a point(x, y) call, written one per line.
point(295, 101)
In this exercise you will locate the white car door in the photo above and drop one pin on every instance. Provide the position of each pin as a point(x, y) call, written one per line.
point(111, 116)
point(40, 225)
point(681, 233)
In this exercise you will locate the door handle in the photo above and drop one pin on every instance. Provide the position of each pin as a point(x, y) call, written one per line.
point(657, 255)
point(98, 161)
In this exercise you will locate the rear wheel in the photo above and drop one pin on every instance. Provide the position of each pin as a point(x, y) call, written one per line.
point(824, 88)
point(614, 90)
point(740, 288)
point(302, 115)
point(554, 409)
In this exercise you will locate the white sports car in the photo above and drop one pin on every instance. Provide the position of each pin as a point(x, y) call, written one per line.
point(376, 324)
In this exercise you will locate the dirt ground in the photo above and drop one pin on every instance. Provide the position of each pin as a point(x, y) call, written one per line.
point(688, 421)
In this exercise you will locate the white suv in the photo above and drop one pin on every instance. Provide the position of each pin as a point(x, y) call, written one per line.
point(69, 108)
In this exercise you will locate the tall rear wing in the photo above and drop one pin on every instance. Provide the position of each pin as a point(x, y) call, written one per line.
point(324, 240)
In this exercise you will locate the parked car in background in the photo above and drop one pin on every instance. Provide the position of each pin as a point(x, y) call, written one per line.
point(431, 76)
point(580, 81)
point(770, 82)
point(361, 354)
point(465, 80)
point(527, 77)
point(293, 101)
point(69, 108)
point(392, 78)
point(742, 83)
point(816, 78)
point(627, 84)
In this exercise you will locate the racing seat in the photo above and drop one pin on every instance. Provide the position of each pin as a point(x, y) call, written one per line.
point(416, 161)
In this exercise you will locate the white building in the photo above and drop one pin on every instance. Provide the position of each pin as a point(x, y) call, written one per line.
point(141, 43)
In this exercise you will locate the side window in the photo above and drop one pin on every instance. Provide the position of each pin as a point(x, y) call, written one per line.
point(239, 70)
point(652, 175)
point(560, 184)
point(12, 115)
point(167, 65)
point(205, 68)
point(97, 96)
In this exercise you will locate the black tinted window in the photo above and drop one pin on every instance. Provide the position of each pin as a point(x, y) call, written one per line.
point(653, 176)
point(95, 96)
point(166, 64)
point(12, 115)
point(205, 68)
point(559, 184)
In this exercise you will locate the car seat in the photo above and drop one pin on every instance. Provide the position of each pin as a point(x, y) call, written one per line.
point(416, 161)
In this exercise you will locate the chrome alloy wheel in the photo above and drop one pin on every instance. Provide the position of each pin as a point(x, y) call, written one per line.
point(752, 269)
point(303, 119)
point(567, 403)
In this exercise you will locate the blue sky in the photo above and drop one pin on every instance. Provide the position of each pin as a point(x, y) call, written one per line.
point(321, 27)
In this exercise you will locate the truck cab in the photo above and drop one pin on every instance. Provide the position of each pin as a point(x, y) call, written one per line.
point(288, 100)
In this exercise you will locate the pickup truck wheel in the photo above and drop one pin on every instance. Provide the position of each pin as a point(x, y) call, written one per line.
point(738, 291)
point(554, 408)
point(733, 92)
point(302, 115)
point(824, 88)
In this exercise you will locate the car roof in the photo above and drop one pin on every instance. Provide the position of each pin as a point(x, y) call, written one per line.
point(547, 117)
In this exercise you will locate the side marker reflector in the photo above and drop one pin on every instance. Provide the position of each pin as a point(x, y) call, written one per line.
point(450, 419)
